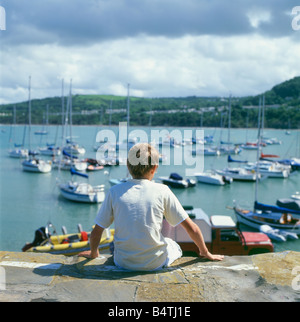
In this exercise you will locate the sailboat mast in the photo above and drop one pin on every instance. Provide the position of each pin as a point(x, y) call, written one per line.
point(62, 107)
point(71, 112)
point(229, 119)
point(258, 150)
point(29, 111)
point(128, 111)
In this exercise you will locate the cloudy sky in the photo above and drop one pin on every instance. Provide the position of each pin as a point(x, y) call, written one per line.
point(163, 48)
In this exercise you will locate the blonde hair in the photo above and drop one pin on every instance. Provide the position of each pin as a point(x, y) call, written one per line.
point(141, 159)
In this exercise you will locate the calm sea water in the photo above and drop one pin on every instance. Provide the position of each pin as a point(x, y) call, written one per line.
point(29, 200)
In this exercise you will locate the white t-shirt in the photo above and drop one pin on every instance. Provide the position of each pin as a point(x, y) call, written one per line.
point(137, 208)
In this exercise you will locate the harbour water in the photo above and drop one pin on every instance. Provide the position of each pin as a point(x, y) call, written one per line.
point(30, 200)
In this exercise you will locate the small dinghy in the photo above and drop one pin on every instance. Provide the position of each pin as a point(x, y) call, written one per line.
point(66, 244)
point(274, 234)
point(289, 235)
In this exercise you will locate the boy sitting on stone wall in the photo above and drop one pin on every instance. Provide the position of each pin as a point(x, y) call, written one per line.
point(137, 209)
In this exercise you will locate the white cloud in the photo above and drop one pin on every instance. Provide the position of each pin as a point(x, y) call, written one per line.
point(161, 47)
point(154, 66)
point(258, 16)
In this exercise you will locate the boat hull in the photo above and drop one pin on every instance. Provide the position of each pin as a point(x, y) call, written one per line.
point(18, 154)
point(40, 167)
point(214, 179)
point(92, 197)
point(72, 248)
point(255, 221)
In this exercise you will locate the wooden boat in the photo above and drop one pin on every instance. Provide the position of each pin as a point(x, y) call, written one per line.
point(66, 244)
point(256, 218)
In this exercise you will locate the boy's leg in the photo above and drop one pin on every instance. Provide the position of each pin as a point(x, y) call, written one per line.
point(173, 252)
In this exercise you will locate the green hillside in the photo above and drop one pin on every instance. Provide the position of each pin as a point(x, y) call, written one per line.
point(282, 109)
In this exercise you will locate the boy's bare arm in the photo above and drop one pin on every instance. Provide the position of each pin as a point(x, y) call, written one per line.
point(195, 233)
point(95, 239)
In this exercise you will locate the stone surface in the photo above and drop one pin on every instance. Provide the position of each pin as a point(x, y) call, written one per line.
point(47, 278)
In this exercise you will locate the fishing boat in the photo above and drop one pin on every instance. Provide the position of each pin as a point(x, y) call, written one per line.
point(211, 177)
point(66, 244)
point(283, 221)
point(177, 181)
point(82, 192)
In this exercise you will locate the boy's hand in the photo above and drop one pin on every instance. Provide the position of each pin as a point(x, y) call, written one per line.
point(88, 254)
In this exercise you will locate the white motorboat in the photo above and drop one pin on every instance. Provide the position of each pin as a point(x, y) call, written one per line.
point(35, 165)
point(82, 192)
point(238, 174)
point(211, 177)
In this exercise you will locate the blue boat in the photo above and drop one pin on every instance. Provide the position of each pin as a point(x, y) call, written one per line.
point(263, 215)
